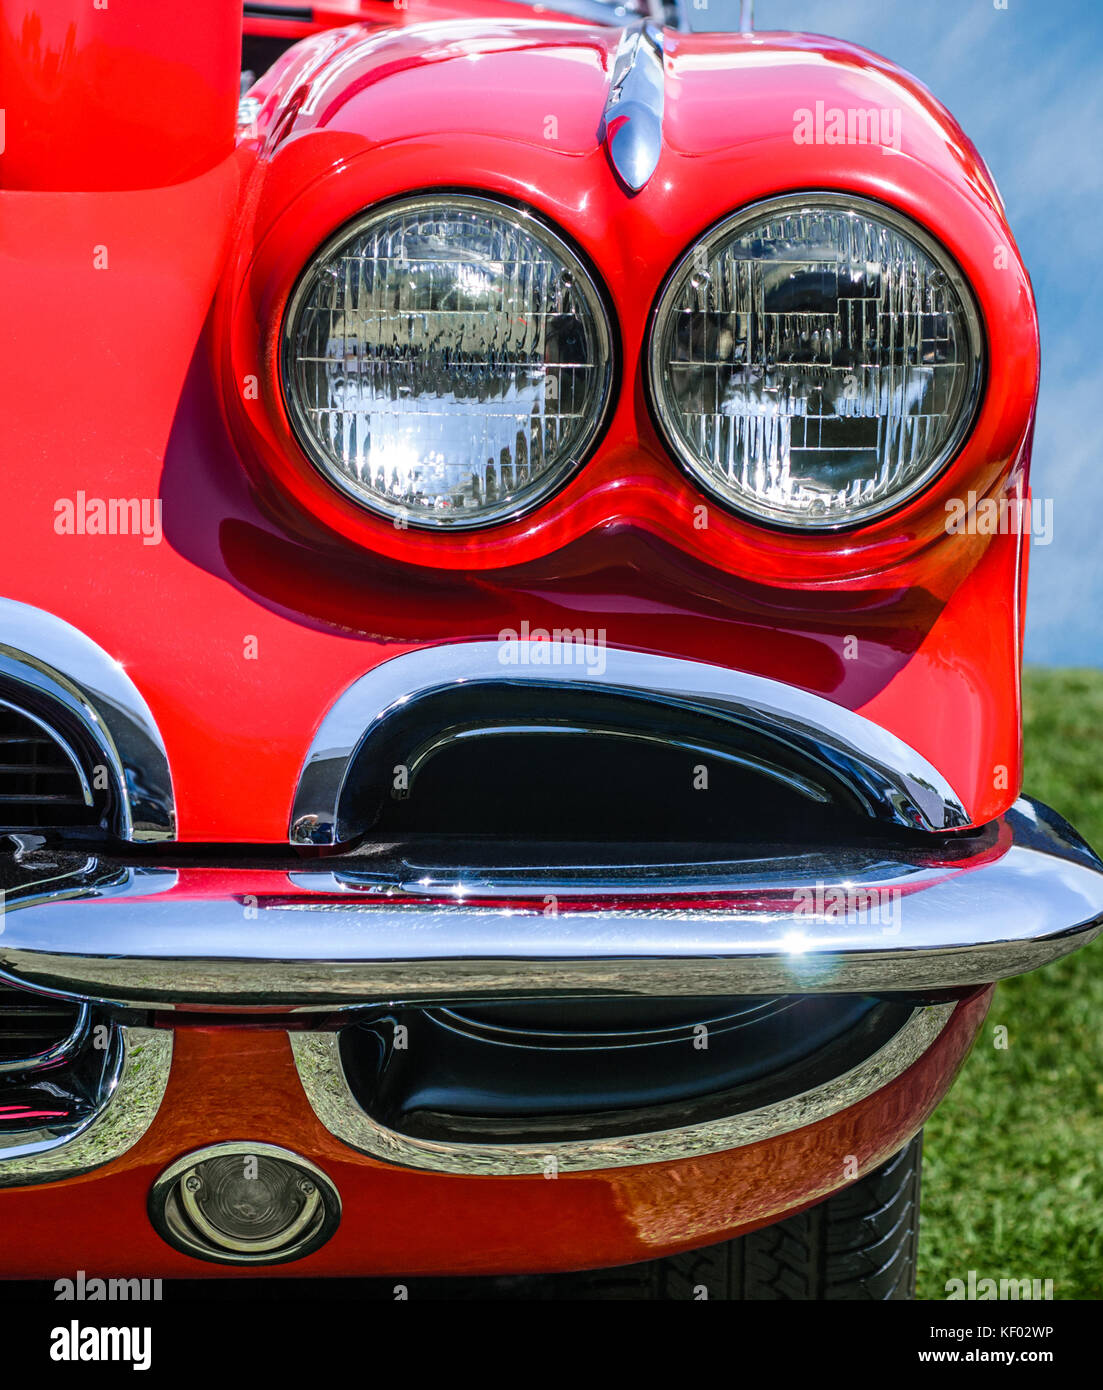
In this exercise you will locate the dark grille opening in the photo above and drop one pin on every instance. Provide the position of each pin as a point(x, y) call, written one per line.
point(536, 1070)
point(588, 787)
point(31, 1024)
point(526, 763)
point(40, 785)
point(54, 1073)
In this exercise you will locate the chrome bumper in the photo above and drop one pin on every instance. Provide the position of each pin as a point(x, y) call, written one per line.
point(387, 927)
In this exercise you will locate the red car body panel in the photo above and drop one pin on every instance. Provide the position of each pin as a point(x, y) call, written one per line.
point(146, 262)
point(114, 97)
point(258, 546)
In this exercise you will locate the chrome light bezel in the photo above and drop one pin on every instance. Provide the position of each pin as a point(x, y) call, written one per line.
point(732, 224)
point(555, 479)
point(172, 1225)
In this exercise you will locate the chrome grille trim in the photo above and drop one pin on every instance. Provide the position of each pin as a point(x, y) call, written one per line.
point(44, 654)
point(131, 1095)
point(897, 783)
point(37, 801)
point(318, 1063)
point(20, 1002)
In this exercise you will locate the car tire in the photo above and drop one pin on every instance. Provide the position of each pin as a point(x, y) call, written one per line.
point(861, 1243)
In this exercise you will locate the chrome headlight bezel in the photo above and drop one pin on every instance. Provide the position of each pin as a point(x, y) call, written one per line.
point(731, 225)
point(554, 478)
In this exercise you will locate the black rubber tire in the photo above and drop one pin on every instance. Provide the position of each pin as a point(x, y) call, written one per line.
point(862, 1243)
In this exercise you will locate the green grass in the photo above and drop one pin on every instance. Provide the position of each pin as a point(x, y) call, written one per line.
point(1013, 1170)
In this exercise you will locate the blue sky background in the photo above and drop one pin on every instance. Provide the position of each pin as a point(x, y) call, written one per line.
point(1026, 83)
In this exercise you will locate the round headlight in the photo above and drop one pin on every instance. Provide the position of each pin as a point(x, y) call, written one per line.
point(446, 361)
point(815, 360)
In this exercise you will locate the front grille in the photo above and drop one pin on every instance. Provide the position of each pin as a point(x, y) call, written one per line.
point(40, 783)
point(31, 1024)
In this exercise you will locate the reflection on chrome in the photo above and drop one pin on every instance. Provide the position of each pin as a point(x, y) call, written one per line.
point(52, 659)
point(388, 926)
point(632, 123)
point(128, 1096)
point(318, 1060)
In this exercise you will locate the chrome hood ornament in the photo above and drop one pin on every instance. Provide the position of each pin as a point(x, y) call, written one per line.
point(632, 123)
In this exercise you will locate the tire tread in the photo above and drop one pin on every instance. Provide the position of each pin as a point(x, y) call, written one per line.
point(859, 1244)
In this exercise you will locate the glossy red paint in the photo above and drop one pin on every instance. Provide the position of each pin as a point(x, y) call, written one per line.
point(116, 96)
point(240, 1084)
point(271, 593)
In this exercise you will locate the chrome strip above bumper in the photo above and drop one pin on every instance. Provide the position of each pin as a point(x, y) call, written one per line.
point(318, 1060)
point(128, 1107)
point(381, 927)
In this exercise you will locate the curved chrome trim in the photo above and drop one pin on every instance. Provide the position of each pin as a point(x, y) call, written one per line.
point(44, 653)
point(897, 782)
point(318, 1062)
point(59, 1052)
point(131, 1100)
point(61, 741)
point(190, 1230)
point(332, 937)
point(632, 123)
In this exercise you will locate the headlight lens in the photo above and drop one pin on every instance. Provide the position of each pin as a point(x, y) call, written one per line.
point(447, 360)
point(816, 360)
